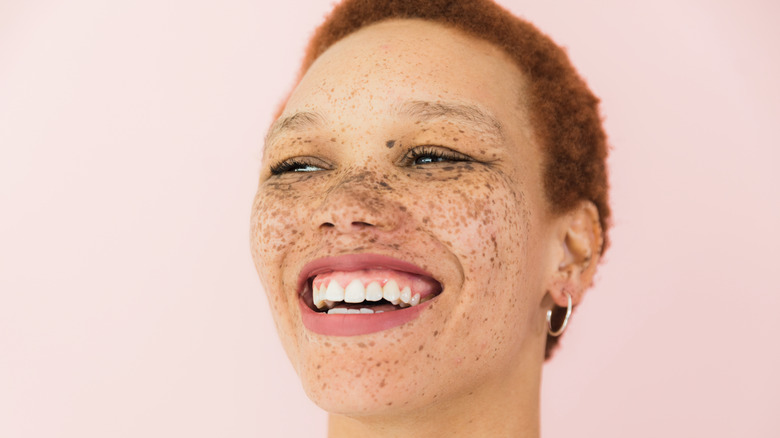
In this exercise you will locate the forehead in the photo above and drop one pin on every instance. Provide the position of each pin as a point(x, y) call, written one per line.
point(387, 65)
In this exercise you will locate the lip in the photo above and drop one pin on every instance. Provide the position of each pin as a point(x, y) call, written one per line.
point(356, 262)
point(355, 324)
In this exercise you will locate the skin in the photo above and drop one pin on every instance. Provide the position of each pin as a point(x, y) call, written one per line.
point(477, 219)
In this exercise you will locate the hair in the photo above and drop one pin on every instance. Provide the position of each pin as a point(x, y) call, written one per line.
point(563, 110)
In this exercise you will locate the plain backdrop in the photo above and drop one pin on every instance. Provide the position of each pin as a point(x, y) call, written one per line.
point(130, 138)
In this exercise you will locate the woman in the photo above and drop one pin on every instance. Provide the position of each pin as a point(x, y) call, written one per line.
point(433, 190)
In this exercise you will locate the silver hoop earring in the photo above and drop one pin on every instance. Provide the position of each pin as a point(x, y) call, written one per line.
point(558, 332)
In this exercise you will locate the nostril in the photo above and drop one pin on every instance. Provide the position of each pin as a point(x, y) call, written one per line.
point(346, 226)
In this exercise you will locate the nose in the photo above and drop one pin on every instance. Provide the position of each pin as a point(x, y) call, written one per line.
point(358, 202)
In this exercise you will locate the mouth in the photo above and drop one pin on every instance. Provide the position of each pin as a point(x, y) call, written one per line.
point(363, 293)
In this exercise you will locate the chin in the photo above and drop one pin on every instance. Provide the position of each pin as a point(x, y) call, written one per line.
point(363, 388)
point(365, 375)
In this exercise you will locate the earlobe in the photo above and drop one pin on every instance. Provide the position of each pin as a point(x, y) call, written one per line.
point(581, 240)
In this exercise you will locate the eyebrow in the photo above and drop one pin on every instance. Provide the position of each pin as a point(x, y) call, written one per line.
point(420, 110)
point(469, 114)
point(295, 122)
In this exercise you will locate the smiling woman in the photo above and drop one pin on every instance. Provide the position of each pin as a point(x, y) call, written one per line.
point(433, 187)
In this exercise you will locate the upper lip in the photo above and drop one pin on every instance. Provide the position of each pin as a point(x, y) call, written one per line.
point(356, 262)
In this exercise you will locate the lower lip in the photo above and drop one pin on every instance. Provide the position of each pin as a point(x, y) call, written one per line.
point(357, 324)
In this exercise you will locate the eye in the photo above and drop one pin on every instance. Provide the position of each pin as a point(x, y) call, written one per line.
point(422, 155)
point(295, 165)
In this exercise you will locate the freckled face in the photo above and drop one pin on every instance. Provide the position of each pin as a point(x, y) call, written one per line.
point(411, 140)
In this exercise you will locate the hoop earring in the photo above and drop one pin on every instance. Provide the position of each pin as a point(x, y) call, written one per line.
point(558, 332)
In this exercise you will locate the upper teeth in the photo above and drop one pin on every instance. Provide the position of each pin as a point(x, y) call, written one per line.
point(356, 292)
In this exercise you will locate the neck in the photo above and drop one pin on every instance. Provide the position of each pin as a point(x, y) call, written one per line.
point(508, 406)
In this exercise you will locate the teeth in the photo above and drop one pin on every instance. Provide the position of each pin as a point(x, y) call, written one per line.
point(374, 291)
point(391, 292)
point(343, 311)
point(355, 292)
point(334, 292)
point(319, 298)
point(406, 295)
point(338, 310)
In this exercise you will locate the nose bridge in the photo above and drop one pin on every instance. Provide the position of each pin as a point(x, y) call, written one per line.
point(358, 199)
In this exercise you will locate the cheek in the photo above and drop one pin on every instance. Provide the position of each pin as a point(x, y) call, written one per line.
point(273, 229)
point(480, 216)
point(484, 221)
point(276, 222)
point(266, 224)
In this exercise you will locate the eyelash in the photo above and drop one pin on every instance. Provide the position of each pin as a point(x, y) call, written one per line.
point(291, 165)
point(437, 153)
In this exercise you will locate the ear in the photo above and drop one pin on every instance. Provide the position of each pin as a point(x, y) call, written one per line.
point(580, 237)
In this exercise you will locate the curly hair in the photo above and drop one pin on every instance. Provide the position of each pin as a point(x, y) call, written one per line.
point(563, 110)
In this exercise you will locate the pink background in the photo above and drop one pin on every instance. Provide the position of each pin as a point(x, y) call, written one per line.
point(130, 137)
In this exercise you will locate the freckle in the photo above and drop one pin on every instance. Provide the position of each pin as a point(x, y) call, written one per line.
point(454, 138)
point(435, 333)
point(421, 347)
point(362, 345)
point(382, 383)
point(327, 344)
point(390, 144)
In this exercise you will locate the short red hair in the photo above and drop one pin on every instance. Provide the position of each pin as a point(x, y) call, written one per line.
point(563, 110)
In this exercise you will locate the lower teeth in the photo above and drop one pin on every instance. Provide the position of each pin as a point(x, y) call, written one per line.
point(376, 307)
point(341, 310)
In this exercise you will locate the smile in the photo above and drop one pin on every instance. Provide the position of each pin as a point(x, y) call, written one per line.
point(370, 291)
point(362, 293)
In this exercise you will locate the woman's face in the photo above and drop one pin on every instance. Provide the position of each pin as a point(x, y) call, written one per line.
point(405, 155)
